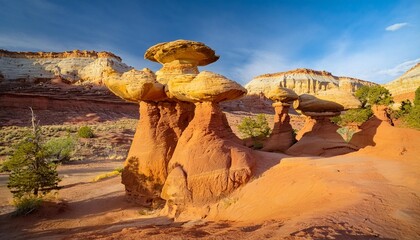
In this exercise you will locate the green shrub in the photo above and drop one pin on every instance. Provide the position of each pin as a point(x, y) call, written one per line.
point(357, 116)
point(412, 119)
point(61, 149)
point(30, 167)
point(254, 127)
point(410, 114)
point(346, 133)
point(85, 132)
point(374, 95)
point(26, 204)
point(417, 97)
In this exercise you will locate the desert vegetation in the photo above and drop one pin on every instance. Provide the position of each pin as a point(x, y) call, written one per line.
point(255, 128)
point(409, 112)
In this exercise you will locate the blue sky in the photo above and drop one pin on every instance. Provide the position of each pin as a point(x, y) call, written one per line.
point(375, 40)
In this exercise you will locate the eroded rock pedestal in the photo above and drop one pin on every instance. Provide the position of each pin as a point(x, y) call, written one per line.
point(158, 130)
point(282, 136)
point(319, 136)
point(184, 150)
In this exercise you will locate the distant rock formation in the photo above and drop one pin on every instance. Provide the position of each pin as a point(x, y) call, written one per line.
point(404, 86)
point(303, 81)
point(81, 67)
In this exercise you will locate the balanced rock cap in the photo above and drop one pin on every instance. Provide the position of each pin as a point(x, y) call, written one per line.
point(135, 85)
point(181, 50)
point(344, 98)
point(204, 87)
point(281, 94)
point(310, 103)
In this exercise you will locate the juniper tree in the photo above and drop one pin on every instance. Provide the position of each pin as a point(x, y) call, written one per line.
point(31, 169)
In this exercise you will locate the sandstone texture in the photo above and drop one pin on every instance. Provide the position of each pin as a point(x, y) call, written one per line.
point(404, 87)
point(75, 67)
point(180, 57)
point(304, 81)
point(183, 150)
point(212, 158)
point(135, 85)
point(282, 136)
point(319, 137)
point(157, 133)
point(311, 105)
point(205, 86)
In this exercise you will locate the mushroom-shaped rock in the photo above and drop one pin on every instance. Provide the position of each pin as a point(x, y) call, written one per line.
point(189, 51)
point(319, 135)
point(206, 86)
point(311, 105)
point(180, 57)
point(135, 85)
point(344, 98)
point(282, 136)
point(281, 94)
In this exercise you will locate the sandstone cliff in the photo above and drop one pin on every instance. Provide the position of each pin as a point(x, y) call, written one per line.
point(71, 67)
point(302, 81)
point(404, 87)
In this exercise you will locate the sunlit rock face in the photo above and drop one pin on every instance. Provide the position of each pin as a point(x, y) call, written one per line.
point(183, 150)
point(281, 137)
point(319, 136)
point(73, 67)
point(304, 81)
point(404, 87)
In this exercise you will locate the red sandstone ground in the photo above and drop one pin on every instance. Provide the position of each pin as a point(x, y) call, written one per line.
point(371, 194)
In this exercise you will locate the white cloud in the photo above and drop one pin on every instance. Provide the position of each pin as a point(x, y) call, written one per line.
point(400, 68)
point(395, 27)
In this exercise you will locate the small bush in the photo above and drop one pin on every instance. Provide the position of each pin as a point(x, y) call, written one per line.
point(85, 132)
point(412, 119)
point(254, 127)
point(26, 204)
point(61, 149)
point(374, 95)
point(346, 133)
point(357, 116)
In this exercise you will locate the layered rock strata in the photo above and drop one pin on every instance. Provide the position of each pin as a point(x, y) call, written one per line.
point(282, 136)
point(404, 87)
point(81, 67)
point(304, 81)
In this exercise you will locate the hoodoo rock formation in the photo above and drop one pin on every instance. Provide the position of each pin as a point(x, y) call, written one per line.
point(72, 67)
point(319, 135)
point(282, 137)
point(183, 149)
point(161, 122)
point(304, 81)
point(404, 87)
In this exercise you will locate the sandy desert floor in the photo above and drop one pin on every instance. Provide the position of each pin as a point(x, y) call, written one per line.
point(355, 196)
point(370, 194)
